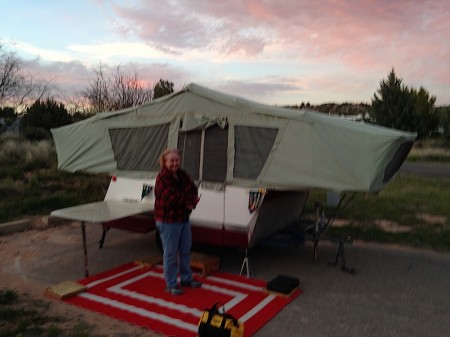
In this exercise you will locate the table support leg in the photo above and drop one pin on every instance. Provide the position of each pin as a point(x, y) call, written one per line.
point(86, 264)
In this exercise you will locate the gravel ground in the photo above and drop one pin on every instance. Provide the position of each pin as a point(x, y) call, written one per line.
point(396, 291)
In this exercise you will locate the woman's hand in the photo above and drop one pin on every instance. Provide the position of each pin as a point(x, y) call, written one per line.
point(196, 200)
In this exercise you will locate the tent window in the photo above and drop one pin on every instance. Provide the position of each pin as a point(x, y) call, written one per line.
point(215, 154)
point(214, 149)
point(252, 147)
point(138, 149)
point(189, 143)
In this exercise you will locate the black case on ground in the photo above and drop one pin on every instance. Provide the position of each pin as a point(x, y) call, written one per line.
point(283, 284)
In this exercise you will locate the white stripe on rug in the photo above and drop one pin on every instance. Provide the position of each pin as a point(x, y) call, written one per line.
point(142, 312)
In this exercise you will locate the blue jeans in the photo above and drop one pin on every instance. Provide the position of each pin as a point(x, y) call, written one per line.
point(176, 241)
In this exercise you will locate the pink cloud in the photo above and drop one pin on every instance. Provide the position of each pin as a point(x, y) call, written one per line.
point(364, 39)
point(257, 90)
point(365, 36)
point(192, 25)
point(69, 79)
point(340, 26)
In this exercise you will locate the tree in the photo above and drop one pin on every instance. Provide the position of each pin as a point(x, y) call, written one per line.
point(162, 88)
point(396, 106)
point(447, 122)
point(444, 120)
point(425, 119)
point(128, 90)
point(97, 94)
point(118, 91)
point(17, 87)
point(10, 77)
point(8, 117)
point(45, 115)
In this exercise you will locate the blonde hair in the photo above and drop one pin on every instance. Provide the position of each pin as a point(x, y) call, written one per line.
point(162, 157)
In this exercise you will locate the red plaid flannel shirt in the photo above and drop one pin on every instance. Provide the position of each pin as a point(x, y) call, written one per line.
point(172, 196)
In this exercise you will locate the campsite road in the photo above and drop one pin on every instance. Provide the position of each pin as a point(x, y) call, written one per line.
point(395, 292)
point(435, 170)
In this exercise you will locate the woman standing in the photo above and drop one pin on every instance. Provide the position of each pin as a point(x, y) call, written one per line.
point(175, 197)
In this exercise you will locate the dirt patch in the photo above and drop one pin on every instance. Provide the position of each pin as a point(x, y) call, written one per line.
point(23, 269)
point(432, 219)
point(340, 223)
point(384, 224)
point(391, 226)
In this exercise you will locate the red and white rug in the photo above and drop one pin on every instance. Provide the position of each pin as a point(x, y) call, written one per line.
point(135, 293)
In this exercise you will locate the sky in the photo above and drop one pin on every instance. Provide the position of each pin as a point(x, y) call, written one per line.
point(277, 52)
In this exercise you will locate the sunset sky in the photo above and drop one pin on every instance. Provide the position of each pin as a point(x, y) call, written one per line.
point(275, 52)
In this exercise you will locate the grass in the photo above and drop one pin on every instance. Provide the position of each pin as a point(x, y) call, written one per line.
point(430, 150)
point(411, 210)
point(30, 183)
point(430, 155)
point(21, 315)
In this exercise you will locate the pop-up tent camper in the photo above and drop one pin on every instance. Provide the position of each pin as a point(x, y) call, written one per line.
point(253, 162)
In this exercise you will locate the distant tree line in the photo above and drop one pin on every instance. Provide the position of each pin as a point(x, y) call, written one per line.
point(336, 109)
point(29, 100)
point(397, 106)
point(121, 90)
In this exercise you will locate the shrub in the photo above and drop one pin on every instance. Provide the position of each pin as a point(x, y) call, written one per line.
point(46, 115)
point(29, 154)
point(36, 133)
point(5, 136)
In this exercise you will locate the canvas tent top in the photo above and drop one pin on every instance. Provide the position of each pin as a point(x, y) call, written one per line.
point(227, 140)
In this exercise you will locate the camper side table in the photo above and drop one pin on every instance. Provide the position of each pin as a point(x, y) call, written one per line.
point(99, 212)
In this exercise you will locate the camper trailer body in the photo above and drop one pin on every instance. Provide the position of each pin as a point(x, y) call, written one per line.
point(236, 150)
point(252, 162)
point(232, 216)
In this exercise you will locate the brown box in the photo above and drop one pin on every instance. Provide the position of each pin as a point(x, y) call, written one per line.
point(206, 263)
point(65, 289)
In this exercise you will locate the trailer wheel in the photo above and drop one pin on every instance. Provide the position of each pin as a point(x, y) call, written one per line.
point(158, 241)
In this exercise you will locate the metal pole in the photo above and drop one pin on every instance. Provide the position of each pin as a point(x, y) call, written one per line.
point(86, 264)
